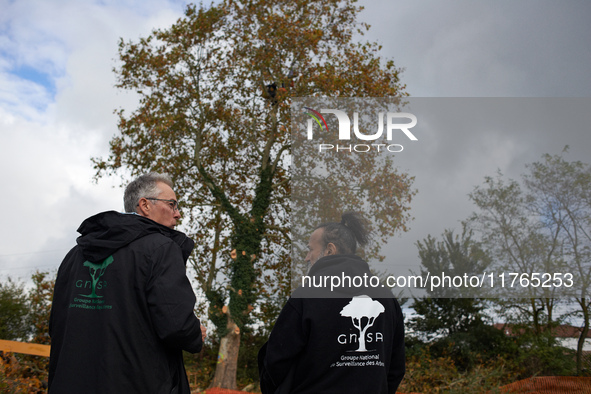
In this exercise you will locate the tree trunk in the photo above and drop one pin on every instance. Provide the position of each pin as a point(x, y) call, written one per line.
point(225, 371)
point(583, 336)
point(536, 319)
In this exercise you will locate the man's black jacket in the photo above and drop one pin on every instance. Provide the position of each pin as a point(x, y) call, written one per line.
point(123, 309)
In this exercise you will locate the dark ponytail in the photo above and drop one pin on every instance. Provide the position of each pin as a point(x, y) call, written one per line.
point(347, 234)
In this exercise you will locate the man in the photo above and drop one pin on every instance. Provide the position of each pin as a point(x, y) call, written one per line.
point(123, 306)
point(346, 340)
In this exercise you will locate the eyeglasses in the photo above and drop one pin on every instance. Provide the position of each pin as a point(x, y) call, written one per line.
point(173, 204)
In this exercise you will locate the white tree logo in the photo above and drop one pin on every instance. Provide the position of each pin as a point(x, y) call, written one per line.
point(360, 307)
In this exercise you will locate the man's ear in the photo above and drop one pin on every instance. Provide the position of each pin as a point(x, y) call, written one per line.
point(143, 207)
point(331, 249)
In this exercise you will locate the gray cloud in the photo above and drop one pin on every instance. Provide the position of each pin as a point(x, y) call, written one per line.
point(523, 48)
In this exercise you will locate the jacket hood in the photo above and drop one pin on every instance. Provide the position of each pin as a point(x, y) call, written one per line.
point(105, 233)
point(336, 264)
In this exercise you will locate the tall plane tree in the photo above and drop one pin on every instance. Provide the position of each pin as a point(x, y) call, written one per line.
point(214, 93)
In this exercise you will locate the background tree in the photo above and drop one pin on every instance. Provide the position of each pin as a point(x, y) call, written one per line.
point(449, 311)
point(13, 311)
point(517, 243)
point(451, 321)
point(214, 92)
point(544, 227)
point(40, 298)
point(21, 373)
point(560, 194)
point(526, 228)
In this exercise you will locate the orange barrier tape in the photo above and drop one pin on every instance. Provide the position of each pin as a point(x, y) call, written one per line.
point(34, 349)
point(550, 385)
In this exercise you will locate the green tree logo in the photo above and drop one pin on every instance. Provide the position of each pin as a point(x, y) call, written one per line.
point(96, 271)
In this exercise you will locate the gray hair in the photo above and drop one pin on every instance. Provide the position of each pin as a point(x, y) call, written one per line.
point(143, 186)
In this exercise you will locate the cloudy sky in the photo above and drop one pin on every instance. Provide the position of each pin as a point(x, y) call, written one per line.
point(57, 98)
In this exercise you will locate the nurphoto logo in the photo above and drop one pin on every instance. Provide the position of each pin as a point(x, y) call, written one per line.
point(393, 126)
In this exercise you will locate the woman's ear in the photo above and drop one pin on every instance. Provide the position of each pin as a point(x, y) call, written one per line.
point(331, 249)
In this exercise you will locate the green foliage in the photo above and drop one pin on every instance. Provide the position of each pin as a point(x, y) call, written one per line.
point(21, 373)
point(482, 359)
point(24, 316)
point(475, 347)
point(426, 373)
point(540, 355)
point(446, 316)
point(215, 312)
point(40, 299)
point(13, 311)
point(458, 312)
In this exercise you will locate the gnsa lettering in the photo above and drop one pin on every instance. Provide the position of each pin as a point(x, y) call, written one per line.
point(392, 124)
point(87, 284)
point(370, 337)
